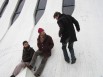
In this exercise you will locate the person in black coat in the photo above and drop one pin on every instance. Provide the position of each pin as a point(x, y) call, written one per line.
point(26, 58)
point(67, 33)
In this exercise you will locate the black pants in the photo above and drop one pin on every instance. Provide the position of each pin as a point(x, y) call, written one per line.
point(70, 47)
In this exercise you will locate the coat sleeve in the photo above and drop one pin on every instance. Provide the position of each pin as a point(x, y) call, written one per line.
point(61, 28)
point(76, 23)
point(32, 51)
point(49, 45)
point(38, 44)
point(23, 55)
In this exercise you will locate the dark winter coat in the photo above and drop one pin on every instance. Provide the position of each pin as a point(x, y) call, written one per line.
point(27, 54)
point(46, 46)
point(67, 30)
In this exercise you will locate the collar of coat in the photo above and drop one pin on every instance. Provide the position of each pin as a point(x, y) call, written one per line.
point(61, 15)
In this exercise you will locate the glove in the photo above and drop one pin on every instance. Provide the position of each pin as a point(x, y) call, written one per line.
point(60, 35)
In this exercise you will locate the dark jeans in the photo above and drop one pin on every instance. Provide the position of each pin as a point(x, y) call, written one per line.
point(43, 62)
point(70, 46)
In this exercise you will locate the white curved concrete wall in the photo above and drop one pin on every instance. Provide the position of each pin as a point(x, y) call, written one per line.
point(6, 18)
point(1, 2)
point(22, 26)
point(88, 49)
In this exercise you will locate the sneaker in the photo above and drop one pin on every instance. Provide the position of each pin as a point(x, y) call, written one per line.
point(68, 61)
point(12, 76)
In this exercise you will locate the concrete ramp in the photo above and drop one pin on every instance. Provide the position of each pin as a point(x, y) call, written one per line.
point(26, 73)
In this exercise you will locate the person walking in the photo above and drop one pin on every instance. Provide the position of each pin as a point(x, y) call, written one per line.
point(26, 58)
point(45, 44)
point(67, 34)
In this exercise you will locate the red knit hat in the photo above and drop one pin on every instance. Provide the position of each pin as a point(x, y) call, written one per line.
point(40, 30)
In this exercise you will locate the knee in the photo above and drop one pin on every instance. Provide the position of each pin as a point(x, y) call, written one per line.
point(70, 47)
point(44, 60)
point(36, 53)
point(21, 64)
point(64, 45)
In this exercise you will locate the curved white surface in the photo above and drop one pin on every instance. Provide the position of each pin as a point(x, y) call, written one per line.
point(6, 18)
point(1, 2)
point(88, 49)
point(26, 73)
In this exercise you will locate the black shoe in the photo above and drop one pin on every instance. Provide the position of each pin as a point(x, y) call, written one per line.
point(12, 76)
point(37, 75)
point(67, 60)
point(73, 61)
point(34, 68)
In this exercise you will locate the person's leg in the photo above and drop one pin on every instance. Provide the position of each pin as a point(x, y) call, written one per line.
point(66, 57)
point(70, 46)
point(18, 68)
point(32, 63)
point(41, 67)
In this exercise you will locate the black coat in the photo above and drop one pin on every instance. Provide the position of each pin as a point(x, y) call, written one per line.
point(67, 30)
point(46, 45)
point(27, 54)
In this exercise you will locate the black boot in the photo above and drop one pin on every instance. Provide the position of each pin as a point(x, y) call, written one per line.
point(73, 61)
point(67, 59)
point(12, 76)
